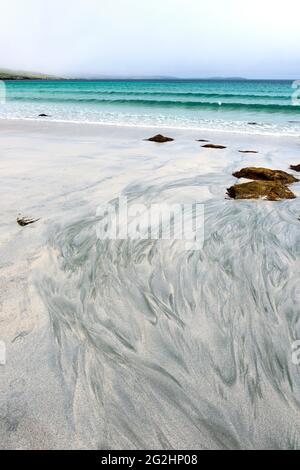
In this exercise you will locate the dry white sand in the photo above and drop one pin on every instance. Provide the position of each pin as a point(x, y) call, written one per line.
point(144, 346)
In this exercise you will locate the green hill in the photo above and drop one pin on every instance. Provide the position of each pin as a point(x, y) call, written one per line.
point(6, 74)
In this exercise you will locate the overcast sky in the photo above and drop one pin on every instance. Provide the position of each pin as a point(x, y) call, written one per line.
point(185, 38)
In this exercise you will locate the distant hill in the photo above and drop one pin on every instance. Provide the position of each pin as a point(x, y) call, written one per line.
point(228, 79)
point(122, 77)
point(6, 74)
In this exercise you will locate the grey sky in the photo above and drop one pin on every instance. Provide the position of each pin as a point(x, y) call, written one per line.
point(185, 38)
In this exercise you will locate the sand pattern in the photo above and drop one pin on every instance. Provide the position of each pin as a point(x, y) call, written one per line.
point(146, 344)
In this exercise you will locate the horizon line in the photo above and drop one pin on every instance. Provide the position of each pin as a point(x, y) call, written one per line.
point(9, 74)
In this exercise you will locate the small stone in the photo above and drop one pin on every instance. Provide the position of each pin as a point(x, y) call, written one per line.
point(23, 221)
point(295, 167)
point(213, 146)
point(248, 151)
point(160, 139)
point(265, 174)
point(269, 190)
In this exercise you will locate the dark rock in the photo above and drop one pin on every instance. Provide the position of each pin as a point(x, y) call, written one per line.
point(23, 221)
point(252, 123)
point(213, 146)
point(265, 174)
point(202, 140)
point(160, 139)
point(295, 167)
point(248, 151)
point(43, 115)
point(270, 190)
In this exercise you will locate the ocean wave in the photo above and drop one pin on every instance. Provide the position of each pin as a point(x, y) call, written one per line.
point(231, 106)
point(102, 93)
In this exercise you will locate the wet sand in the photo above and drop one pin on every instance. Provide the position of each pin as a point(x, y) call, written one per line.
point(135, 344)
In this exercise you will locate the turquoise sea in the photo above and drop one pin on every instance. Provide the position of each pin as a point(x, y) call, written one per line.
point(229, 105)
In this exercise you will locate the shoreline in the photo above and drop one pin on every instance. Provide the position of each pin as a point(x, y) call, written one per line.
point(155, 128)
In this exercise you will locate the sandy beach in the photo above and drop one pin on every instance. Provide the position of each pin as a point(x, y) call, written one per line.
point(138, 344)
